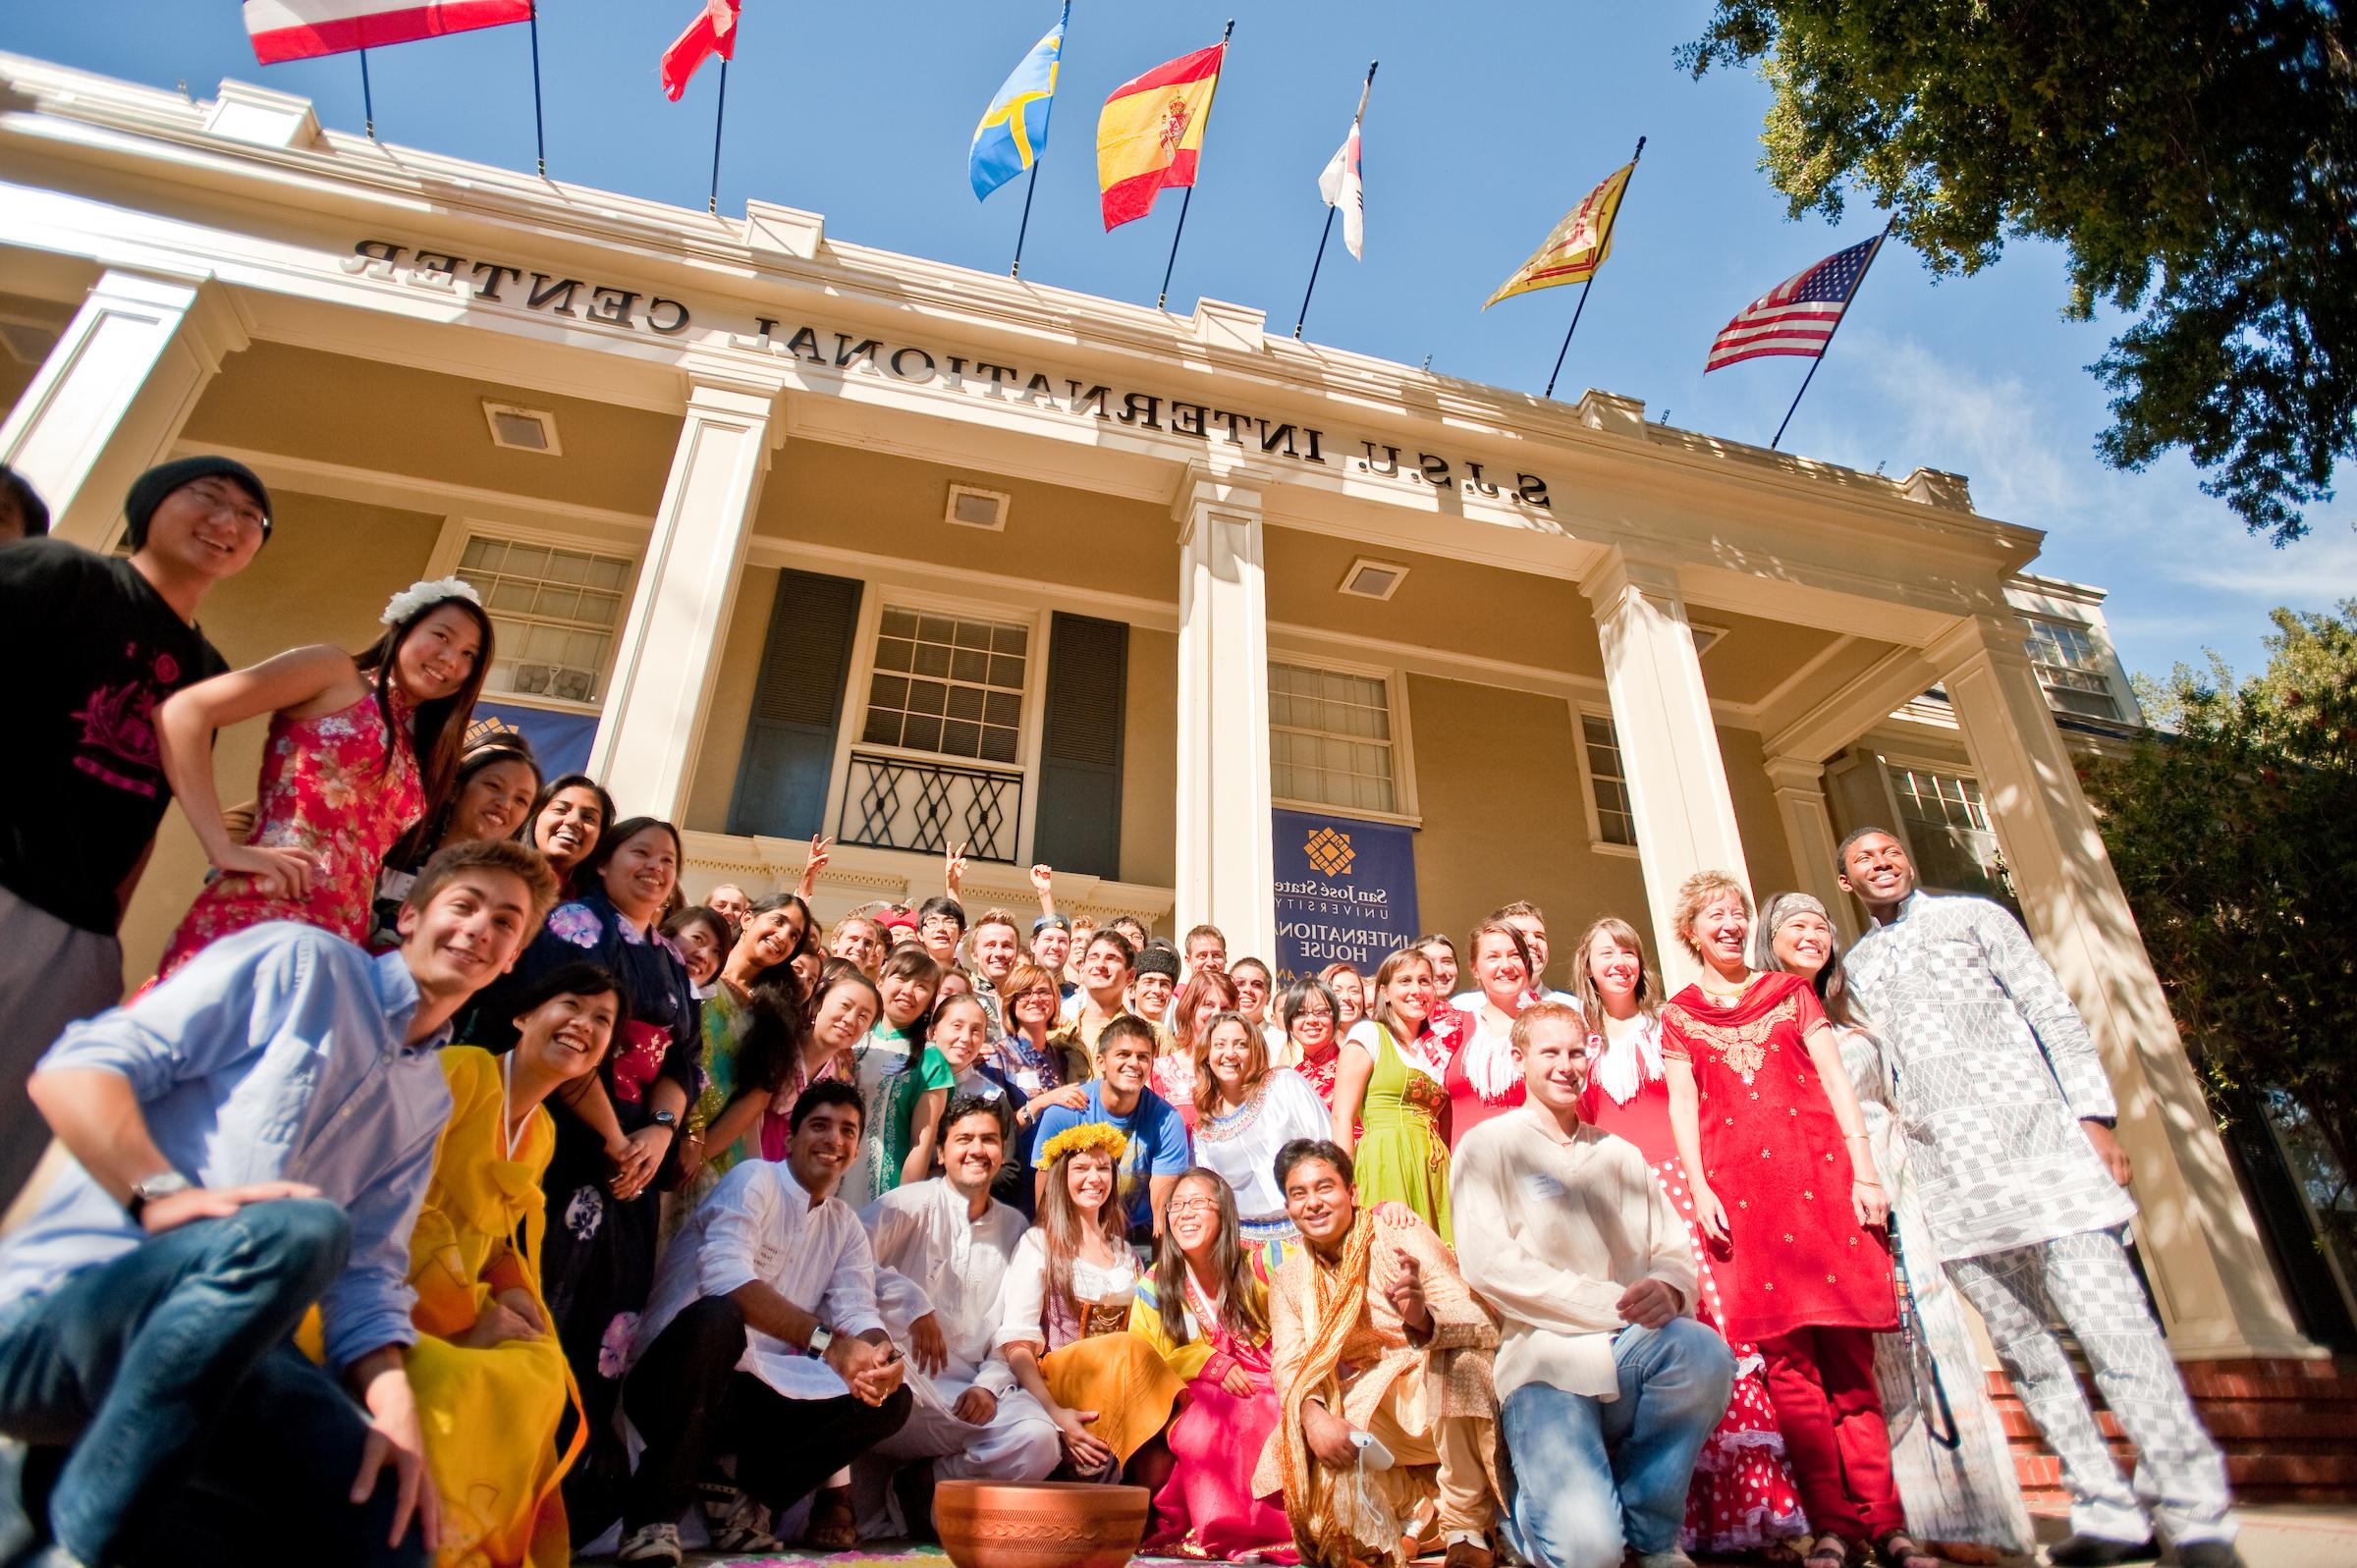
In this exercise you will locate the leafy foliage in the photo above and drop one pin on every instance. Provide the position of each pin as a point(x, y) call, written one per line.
point(2197, 158)
point(2237, 840)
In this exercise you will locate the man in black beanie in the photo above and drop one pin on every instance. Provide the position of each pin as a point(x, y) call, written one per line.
point(91, 644)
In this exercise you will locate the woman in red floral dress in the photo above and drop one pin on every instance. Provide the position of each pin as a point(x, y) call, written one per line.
point(1784, 1183)
point(359, 749)
point(1741, 1496)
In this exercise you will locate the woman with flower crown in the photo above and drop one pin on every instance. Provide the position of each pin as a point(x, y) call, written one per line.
point(1068, 1296)
point(360, 750)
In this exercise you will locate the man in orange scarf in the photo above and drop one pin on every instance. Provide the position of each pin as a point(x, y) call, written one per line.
point(1376, 1335)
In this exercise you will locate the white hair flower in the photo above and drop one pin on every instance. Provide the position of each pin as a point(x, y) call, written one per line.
point(419, 597)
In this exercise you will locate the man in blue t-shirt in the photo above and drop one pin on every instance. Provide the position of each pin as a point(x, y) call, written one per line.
point(1118, 1095)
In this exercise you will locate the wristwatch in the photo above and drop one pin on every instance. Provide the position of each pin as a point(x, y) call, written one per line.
point(163, 1184)
point(666, 1119)
point(821, 1336)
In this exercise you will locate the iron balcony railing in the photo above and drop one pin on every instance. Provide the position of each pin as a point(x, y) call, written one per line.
point(894, 802)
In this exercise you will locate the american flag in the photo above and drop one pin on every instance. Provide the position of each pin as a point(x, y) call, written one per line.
point(1798, 315)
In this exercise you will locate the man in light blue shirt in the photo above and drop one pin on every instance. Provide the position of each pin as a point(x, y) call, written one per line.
point(254, 1136)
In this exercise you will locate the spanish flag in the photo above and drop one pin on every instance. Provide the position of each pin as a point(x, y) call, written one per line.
point(1576, 246)
point(1151, 130)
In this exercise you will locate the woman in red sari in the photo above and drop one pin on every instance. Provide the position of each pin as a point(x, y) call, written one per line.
point(1784, 1183)
point(1742, 1496)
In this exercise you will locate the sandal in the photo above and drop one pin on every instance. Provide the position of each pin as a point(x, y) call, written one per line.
point(1828, 1550)
point(1898, 1549)
point(832, 1527)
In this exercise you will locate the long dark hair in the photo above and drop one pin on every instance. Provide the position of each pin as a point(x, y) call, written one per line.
point(1243, 1299)
point(438, 731)
point(776, 1028)
point(426, 834)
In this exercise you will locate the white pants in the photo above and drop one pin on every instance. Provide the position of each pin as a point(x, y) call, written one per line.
point(1020, 1443)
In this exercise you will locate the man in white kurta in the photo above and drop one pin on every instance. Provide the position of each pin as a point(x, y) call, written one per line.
point(761, 1342)
point(942, 1247)
point(1607, 1387)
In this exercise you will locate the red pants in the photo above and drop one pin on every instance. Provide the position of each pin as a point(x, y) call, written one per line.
point(1822, 1383)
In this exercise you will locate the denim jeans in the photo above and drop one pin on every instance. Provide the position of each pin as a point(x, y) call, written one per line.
point(1593, 1478)
point(169, 1415)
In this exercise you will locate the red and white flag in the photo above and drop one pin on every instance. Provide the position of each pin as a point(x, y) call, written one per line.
point(298, 29)
point(1342, 188)
point(712, 33)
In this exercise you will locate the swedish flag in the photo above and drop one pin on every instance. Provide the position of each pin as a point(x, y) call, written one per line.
point(1014, 127)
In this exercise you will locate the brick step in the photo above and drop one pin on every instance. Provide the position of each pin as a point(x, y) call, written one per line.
point(2288, 1429)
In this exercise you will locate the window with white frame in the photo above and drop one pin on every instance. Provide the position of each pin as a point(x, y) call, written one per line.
point(1947, 824)
point(948, 684)
point(1607, 784)
point(1332, 741)
point(554, 614)
point(2073, 667)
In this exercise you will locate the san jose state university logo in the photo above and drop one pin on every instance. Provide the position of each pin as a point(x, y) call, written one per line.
point(1330, 853)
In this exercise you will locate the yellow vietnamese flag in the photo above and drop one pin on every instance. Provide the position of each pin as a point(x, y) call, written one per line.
point(1576, 246)
point(1151, 130)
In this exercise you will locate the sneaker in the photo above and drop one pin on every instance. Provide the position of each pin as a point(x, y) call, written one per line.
point(652, 1544)
point(742, 1526)
point(2100, 1551)
point(2207, 1554)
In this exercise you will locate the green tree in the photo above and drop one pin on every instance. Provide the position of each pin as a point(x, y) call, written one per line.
point(2197, 158)
point(2237, 839)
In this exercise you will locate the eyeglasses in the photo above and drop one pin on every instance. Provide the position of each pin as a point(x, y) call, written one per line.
point(1313, 1012)
point(1193, 1206)
point(1038, 993)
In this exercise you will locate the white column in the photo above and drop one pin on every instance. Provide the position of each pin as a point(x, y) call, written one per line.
point(1226, 870)
point(1686, 819)
point(2218, 1297)
point(111, 397)
point(1799, 783)
point(671, 643)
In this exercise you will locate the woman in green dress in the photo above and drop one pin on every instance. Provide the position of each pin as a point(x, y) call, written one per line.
point(1389, 1090)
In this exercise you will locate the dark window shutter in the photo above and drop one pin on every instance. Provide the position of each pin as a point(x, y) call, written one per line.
point(1078, 826)
point(797, 705)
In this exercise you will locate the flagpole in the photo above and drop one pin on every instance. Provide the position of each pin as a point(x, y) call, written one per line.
point(719, 112)
point(1063, 36)
point(1164, 298)
point(367, 98)
point(1327, 233)
point(1601, 244)
point(1836, 327)
point(539, 129)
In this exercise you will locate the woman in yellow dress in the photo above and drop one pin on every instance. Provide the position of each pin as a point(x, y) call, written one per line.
point(1068, 1301)
point(491, 1383)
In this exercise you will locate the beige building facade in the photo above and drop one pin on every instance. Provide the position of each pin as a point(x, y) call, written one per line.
point(802, 537)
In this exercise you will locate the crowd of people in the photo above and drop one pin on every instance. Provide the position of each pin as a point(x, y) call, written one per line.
point(457, 1191)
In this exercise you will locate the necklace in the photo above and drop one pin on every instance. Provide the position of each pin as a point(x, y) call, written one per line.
point(506, 1121)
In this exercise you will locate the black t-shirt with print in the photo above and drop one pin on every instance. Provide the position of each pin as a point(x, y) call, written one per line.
point(88, 649)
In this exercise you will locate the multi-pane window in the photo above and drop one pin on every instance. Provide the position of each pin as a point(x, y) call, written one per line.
point(1616, 823)
point(553, 613)
point(1331, 738)
point(2071, 665)
point(1947, 830)
point(948, 684)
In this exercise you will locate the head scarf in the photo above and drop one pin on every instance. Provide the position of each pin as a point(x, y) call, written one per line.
point(1781, 912)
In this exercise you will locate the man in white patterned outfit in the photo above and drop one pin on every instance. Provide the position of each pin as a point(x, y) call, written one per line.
point(2008, 1117)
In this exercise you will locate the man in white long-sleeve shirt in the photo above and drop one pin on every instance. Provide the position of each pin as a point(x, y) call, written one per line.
point(1607, 1387)
point(942, 1248)
point(762, 1340)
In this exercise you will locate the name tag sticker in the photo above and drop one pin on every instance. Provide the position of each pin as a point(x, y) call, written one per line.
point(1543, 1187)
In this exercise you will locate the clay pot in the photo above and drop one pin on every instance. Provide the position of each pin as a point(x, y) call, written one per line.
point(1049, 1524)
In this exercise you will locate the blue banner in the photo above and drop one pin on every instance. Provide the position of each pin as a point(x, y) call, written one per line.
point(1346, 893)
point(559, 740)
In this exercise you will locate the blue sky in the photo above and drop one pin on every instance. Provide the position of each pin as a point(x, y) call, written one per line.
point(1487, 122)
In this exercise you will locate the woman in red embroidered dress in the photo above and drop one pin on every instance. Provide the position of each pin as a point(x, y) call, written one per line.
point(1741, 1495)
point(359, 749)
point(1483, 1077)
point(1783, 1182)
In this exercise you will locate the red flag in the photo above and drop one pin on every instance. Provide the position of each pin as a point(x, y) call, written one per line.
point(714, 33)
point(298, 29)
